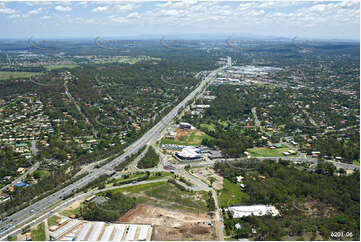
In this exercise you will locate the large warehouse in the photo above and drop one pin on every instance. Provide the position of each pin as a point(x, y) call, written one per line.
point(80, 230)
point(256, 210)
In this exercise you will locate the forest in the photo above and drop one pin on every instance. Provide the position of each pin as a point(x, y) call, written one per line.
point(313, 203)
point(150, 159)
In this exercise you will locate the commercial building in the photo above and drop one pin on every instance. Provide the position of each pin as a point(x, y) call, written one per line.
point(80, 230)
point(256, 210)
point(189, 153)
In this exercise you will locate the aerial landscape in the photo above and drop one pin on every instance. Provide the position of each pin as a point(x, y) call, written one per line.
point(179, 120)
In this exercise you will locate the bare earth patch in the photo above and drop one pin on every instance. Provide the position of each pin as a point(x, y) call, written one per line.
point(317, 208)
point(205, 173)
point(171, 224)
point(74, 205)
point(182, 132)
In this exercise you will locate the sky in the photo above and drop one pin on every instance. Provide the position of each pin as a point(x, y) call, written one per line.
point(304, 19)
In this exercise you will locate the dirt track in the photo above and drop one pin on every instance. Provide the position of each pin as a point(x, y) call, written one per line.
point(172, 224)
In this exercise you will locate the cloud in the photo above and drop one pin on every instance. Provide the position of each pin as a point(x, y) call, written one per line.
point(45, 17)
point(100, 9)
point(118, 19)
point(15, 16)
point(6, 10)
point(125, 7)
point(134, 15)
point(35, 11)
point(62, 8)
point(79, 20)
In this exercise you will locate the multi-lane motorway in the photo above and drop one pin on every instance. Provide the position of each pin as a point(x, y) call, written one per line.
point(14, 221)
point(45, 207)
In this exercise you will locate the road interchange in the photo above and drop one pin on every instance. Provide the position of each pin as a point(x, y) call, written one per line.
point(44, 208)
point(16, 220)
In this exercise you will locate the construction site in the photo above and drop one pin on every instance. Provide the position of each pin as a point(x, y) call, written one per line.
point(170, 224)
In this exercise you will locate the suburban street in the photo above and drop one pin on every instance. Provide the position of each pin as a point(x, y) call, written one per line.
point(256, 121)
point(36, 210)
point(48, 206)
point(22, 177)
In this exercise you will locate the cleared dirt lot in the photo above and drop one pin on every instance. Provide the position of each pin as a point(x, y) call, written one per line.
point(205, 174)
point(172, 224)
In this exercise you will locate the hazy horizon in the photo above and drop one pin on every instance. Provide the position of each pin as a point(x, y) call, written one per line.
point(276, 19)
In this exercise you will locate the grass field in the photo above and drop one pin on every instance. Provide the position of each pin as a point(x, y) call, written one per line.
point(231, 194)
point(166, 195)
point(42, 173)
point(137, 188)
point(39, 233)
point(52, 220)
point(195, 138)
point(54, 67)
point(266, 152)
point(5, 75)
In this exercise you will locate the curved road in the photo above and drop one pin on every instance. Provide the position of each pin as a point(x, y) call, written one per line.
point(35, 210)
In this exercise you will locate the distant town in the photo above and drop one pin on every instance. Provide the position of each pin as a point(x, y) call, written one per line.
point(207, 142)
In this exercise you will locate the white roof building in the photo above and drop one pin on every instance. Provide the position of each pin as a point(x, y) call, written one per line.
point(189, 153)
point(257, 210)
point(143, 232)
point(96, 231)
point(107, 233)
point(119, 232)
point(131, 232)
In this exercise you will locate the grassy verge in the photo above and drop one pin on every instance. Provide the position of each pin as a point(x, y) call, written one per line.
point(231, 194)
point(356, 163)
point(67, 213)
point(162, 175)
point(52, 220)
point(130, 177)
point(39, 233)
point(137, 188)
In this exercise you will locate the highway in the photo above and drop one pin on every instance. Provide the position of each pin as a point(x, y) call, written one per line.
point(35, 210)
point(46, 213)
